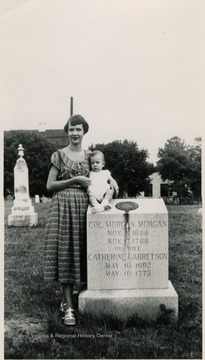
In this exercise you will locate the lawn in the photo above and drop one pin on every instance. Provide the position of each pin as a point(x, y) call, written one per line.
point(33, 329)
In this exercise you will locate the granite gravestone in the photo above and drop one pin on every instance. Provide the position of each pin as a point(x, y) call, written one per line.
point(22, 212)
point(127, 260)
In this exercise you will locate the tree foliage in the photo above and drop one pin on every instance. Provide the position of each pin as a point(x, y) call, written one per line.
point(128, 165)
point(194, 156)
point(181, 165)
point(37, 153)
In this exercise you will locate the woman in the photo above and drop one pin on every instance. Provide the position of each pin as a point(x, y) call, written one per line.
point(65, 237)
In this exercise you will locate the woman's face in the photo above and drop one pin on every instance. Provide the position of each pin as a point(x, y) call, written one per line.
point(75, 133)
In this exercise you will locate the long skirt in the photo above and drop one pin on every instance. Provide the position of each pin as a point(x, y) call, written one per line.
point(65, 237)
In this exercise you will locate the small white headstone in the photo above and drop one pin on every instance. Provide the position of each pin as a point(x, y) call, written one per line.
point(200, 211)
point(37, 199)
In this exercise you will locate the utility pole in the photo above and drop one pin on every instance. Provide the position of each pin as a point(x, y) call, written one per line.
point(71, 106)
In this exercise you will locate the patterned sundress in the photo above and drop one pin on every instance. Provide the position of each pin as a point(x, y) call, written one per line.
point(65, 235)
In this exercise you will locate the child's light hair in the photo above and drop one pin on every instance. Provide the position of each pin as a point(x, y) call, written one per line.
point(97, 152)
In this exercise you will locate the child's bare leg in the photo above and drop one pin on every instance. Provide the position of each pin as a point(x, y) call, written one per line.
point(106, 201)
point(108, 195)
point(96, 207)
point(93, 200)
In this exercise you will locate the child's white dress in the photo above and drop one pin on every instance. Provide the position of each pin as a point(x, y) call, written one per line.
point(99, 183)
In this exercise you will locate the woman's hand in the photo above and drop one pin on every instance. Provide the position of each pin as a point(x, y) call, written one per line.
point(114, 186)
point(53, 184)
point(83, 181)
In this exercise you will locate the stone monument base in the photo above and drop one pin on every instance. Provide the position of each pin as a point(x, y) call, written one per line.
point(23, 220)
point(123, 304)
point(22, 214)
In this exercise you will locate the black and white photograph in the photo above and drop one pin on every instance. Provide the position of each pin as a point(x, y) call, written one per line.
point(102, 196)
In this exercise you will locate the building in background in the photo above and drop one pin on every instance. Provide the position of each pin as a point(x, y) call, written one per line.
point(59, 138)
point(157, 187)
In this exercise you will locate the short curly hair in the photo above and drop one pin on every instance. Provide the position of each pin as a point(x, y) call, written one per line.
point(76, 120)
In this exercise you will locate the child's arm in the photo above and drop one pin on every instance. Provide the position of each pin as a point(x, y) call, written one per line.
point(113, 185)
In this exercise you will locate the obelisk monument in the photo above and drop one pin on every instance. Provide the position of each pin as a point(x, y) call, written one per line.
point(22, 212)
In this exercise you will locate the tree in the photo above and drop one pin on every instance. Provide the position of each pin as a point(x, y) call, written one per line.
point(180, 164)
point(37, 153)
point(128, 165)
point(194, 155)
point(173, 163)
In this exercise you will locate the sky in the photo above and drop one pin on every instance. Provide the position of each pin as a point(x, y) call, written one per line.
point(133, 67)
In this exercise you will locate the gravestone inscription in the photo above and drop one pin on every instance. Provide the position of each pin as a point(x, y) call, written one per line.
point(128, 262)
point(128, 250)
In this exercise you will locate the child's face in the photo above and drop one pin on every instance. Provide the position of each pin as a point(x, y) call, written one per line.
point(96, 162)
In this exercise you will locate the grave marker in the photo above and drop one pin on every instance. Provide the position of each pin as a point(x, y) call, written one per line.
point(127, 260)
point(22, 212)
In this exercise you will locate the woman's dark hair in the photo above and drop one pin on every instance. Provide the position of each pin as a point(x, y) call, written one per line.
point(76, 120)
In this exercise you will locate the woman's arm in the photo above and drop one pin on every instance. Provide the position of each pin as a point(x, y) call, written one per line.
point(55, 185)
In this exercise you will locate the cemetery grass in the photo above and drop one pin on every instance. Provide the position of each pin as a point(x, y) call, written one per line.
point(34, 330)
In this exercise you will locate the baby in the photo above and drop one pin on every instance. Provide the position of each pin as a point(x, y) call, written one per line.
point(99, 190)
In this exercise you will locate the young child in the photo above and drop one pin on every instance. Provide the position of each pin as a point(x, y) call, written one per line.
point(99, 190)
